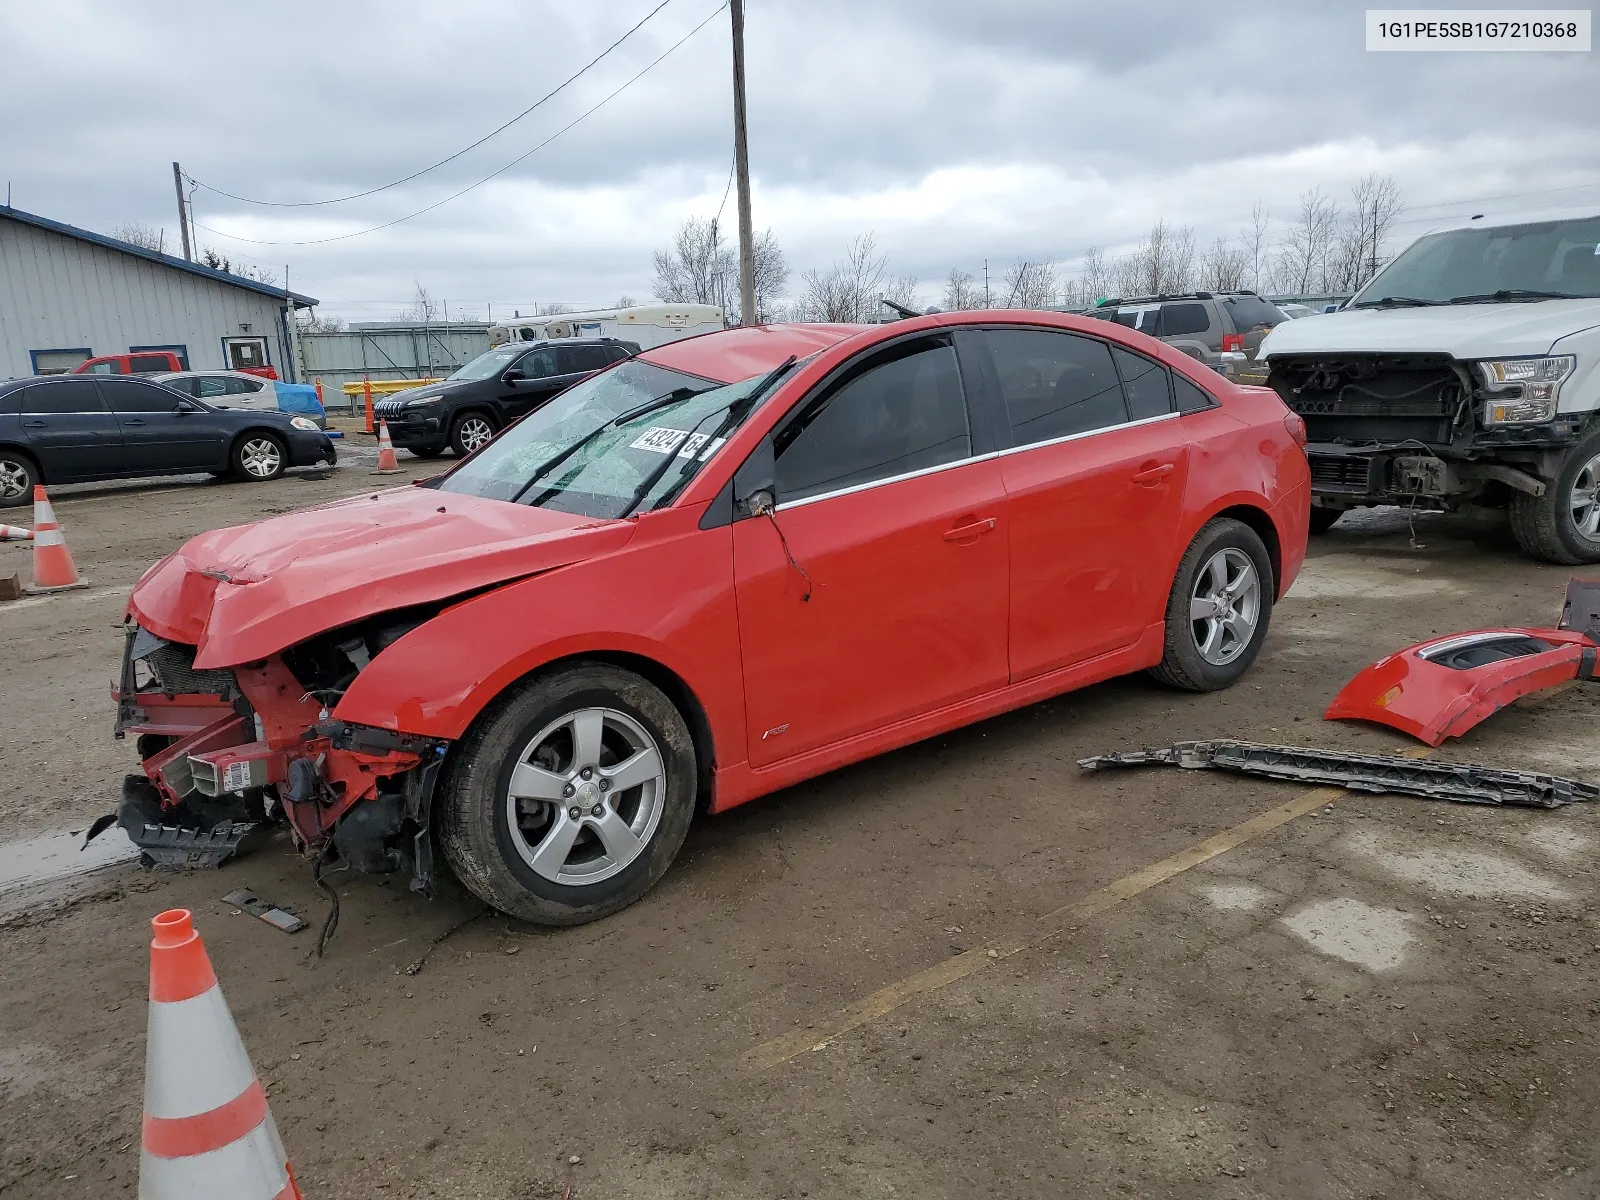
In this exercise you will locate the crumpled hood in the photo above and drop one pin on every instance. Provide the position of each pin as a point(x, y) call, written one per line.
point(244, 593)
point(1464, 331)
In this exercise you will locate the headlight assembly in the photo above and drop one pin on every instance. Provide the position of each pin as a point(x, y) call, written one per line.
point(1523, 390)
point(303, 423)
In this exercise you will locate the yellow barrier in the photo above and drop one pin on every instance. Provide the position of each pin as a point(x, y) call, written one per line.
point(382, 387)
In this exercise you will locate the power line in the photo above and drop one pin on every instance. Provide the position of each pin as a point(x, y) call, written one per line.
point(435, 166)
point(457, 195)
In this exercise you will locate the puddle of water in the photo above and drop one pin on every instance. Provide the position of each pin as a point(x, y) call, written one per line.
point(1458, 872)
point(51, 856)
point(1353, 931)
point(1236, 897)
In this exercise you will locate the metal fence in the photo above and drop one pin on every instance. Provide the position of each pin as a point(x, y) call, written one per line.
point(388, 352)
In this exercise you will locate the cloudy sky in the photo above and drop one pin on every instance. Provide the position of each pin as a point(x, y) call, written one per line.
point(955, 131)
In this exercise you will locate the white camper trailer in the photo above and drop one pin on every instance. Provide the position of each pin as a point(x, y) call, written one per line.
point(645, 324)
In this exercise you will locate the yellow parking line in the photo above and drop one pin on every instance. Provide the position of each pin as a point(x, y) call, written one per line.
point(886, 1000)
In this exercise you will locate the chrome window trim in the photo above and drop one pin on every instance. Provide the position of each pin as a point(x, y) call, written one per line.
point(784, 505)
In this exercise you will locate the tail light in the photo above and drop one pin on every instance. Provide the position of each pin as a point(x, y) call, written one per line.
point(1233, 341)
point(1296, 426)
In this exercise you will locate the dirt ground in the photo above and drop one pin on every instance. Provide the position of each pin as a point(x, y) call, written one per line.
point(1381, 997)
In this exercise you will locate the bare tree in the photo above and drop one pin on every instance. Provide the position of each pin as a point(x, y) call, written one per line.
point(1030, 285)
point(702, 267)
point(1255, 244)
point(902, 291)
point(847, 291)
point(1304, 259)
point(772, 273)
point(313, 323)
point(423, 309)
point(625, 301)
point(146, 237)
point(1374, 205)
point(961, 292)
point(1225, 266)
point(552, 308)
point(1163, 263)
point(218, 261)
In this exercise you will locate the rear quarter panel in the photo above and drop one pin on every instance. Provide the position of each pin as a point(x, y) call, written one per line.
point(667, 596)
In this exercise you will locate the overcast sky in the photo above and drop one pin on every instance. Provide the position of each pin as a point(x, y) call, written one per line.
point(956, 131)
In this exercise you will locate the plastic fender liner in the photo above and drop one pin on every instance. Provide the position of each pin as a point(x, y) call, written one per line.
point(1442, 688)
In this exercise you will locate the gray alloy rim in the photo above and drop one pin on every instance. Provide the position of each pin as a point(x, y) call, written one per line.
point(475, 432)
point(586, 796)
point(13, 479)
point(261, 458)
point(1585, 501)
point(1225, 606)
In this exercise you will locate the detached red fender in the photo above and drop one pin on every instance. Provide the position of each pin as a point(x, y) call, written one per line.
point(1442, 688)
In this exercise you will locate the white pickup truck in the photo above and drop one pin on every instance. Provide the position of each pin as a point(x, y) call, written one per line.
point(1467, 372)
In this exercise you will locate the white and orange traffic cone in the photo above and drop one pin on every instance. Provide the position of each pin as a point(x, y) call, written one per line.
point(53, 569)
point(15, 533)
point(388, 464)
point(207, 1130)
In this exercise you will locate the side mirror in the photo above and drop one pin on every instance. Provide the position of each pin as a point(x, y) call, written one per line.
point(513, 374)
point(755, 485)
point(185, 406)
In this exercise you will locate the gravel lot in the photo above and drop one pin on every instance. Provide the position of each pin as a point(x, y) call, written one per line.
point(1378, 997)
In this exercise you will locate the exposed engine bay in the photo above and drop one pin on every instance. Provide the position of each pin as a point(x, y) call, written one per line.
point(1406, 429)
point(226, 751)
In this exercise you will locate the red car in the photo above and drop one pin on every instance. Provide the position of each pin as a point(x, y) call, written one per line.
point(716, 569)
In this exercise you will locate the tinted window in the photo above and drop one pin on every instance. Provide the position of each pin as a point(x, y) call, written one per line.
point(149, 364)
point(1145, 383)
point(131, 396)
point(242, 387)
point(210, 387)
point(67, 396)
point(1055, 384)
point(1246, 312)
point(1124, 316)
point(188, 386)
point(1179, 319)
point(903, 412)
point(1189, 397)
point(587, 358)
point(541, 364)
point(11, 402)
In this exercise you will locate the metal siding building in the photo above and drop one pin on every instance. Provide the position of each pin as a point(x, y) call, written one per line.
point(67, 293)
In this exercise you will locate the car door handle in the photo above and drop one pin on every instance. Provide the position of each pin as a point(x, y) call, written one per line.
point(35, 424)
point(962, 533)
point(1152, 475)
point(133, 421)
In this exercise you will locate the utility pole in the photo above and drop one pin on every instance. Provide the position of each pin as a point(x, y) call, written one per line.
point(986, 283)
point(741, 164)
point(183, 212)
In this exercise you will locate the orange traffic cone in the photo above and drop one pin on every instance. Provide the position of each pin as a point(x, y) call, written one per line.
point(15, 533)
point(388, 464)
point(53, 569)
point(207, 1130)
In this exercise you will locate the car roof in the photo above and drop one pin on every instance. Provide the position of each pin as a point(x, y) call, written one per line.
point(728, 355)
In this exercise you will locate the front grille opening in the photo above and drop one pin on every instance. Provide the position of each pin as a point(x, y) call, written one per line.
point(171, 668)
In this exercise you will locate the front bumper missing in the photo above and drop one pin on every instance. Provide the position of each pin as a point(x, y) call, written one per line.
point(1463, 783)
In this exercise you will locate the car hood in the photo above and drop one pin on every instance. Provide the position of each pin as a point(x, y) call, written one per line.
point(1464, 331)
point(244, 593)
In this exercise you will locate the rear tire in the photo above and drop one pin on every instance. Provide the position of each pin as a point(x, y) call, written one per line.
point(1218, 610)
point(18, 476)
point(539, 741)
point(1563, 525)
point(1324, 519)
point(434, 451)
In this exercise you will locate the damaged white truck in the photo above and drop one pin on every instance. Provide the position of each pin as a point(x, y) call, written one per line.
point(1467, 373)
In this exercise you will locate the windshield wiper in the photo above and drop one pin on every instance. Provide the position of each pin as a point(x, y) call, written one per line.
point(736, 410)
point(1514, 294)
point(649, 406)
point(1397, 302)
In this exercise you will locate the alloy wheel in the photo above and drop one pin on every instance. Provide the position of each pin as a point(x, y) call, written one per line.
point(1584, 500)
point(13, 479)
point(585, 796)
point(1225, 606)
point(261, 458)
point(474, 432)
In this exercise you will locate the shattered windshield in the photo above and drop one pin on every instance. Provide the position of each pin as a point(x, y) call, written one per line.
point(1540, 261)
point(574, 456)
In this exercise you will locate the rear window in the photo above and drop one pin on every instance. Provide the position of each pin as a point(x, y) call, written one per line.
point(1189, 398)
point(1247, 312)
point(149, 364)
point(1178, 319)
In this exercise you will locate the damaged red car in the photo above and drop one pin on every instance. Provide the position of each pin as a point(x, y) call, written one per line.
point(716, 569)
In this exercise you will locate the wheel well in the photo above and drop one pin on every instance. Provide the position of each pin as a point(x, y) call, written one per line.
point(276, 435)
point(470, 409)
point(1259, 521)
point(675, 689)
point(22, 452)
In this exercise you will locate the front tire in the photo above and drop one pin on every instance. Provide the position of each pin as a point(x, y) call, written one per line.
point(569, 797)
point(259, 457)
point(470, 431)
point(433, 451)
point(1218, 610)
point(1563, 525)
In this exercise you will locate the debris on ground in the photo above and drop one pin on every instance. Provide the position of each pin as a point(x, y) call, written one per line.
point(1464, 783)
point(279, 918)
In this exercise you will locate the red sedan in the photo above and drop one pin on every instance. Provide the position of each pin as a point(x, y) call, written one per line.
point(716, 569)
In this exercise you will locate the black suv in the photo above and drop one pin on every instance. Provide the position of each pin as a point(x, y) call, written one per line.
point(464, 411)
